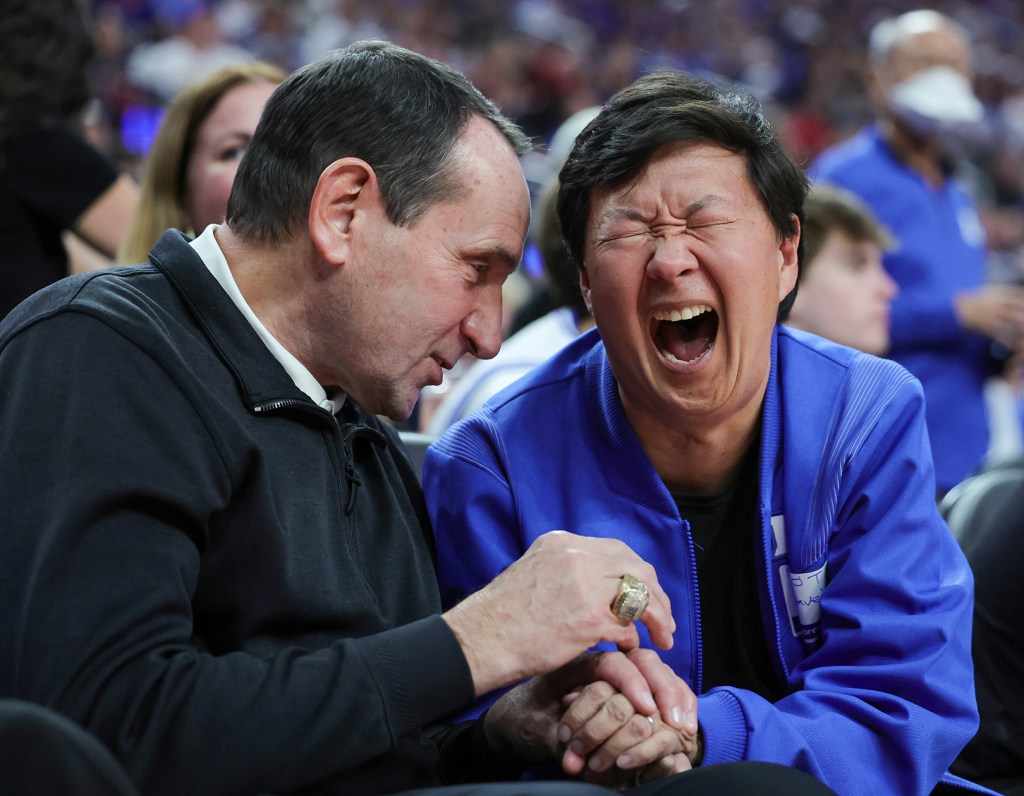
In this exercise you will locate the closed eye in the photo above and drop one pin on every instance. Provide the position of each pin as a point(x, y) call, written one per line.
point(624, 234)
point(711, 222)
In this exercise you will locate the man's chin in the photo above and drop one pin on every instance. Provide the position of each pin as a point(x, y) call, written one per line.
point(394, 401)
point(399, 410)
point(399, 417)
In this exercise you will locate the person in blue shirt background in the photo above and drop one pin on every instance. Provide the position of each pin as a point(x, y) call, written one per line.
point(946, 315)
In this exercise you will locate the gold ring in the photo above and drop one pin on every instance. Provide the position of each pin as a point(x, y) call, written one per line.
point(631, 601)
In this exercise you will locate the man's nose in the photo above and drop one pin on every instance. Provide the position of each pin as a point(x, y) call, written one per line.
point(482, 327)
point(672, 256)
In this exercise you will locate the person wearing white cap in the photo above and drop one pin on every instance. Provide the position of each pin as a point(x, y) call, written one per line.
point(946, 317)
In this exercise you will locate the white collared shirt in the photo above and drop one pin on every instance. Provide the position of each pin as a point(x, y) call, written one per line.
point(209, 250)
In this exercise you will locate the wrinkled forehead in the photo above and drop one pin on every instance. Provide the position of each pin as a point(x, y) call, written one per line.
point(486, 168)
point(681, 174)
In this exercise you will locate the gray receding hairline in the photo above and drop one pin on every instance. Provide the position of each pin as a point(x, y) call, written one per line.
point(448, 185)
point(893, 31)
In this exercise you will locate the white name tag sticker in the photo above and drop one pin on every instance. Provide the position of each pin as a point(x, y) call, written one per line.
point(803, 601)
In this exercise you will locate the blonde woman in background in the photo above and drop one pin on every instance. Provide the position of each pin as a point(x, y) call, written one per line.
point(191, 166)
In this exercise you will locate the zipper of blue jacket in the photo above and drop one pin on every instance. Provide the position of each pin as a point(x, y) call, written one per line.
point(698, 662)
point(770, 435)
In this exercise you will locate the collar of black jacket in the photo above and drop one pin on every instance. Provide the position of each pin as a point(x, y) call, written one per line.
point(262, 378)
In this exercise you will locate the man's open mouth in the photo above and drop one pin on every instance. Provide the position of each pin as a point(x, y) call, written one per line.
point(684, 336)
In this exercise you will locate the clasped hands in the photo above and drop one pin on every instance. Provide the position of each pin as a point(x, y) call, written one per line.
point(536, 619)
point(614, 718)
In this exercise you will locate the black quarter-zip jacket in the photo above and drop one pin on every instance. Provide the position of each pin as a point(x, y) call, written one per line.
point(231, 587)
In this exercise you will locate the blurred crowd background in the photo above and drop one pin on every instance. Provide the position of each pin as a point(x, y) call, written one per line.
point(542, 60)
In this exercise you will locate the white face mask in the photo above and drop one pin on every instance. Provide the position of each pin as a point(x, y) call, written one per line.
point(940, 95)
point(939, 104)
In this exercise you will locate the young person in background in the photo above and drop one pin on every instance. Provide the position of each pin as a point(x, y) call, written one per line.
point(845, 292)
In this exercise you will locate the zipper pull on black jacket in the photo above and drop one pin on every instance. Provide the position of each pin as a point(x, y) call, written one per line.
point(349, 435)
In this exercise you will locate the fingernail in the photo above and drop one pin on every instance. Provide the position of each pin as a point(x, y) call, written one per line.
point(624, 761)
point(691, 722)
point(596, 764)
point(677, 717)
point(564, 733)
point(576, 747)
point(648, 702)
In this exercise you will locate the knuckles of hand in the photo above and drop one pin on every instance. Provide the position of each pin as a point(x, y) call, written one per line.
point(600, 691)
point(644, 656)
point(619, 709)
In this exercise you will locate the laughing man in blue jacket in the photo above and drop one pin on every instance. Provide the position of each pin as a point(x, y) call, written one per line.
point(781, 485)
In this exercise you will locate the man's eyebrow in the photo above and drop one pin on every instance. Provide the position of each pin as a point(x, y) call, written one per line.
point(701, 203)
point(510, 259)
point(621, 213)
point(632, 214)
point(498, 254)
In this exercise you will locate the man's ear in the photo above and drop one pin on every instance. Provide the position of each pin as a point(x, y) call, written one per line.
point(585, 288)
point(789, 264)
point(338, 196)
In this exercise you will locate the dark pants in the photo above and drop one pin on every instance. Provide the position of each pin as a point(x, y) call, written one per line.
point(43, 752)
point(727, 779)
point(737, 779)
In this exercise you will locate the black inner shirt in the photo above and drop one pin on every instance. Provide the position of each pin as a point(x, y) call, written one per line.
point(725, 528)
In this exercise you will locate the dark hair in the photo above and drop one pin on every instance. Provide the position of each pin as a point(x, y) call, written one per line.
point(45, 49)
point(668, 108)
point(828, 209)
point(401, 112)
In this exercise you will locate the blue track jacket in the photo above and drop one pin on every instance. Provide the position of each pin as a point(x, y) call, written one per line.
point(866, 598)
point(940, 254)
